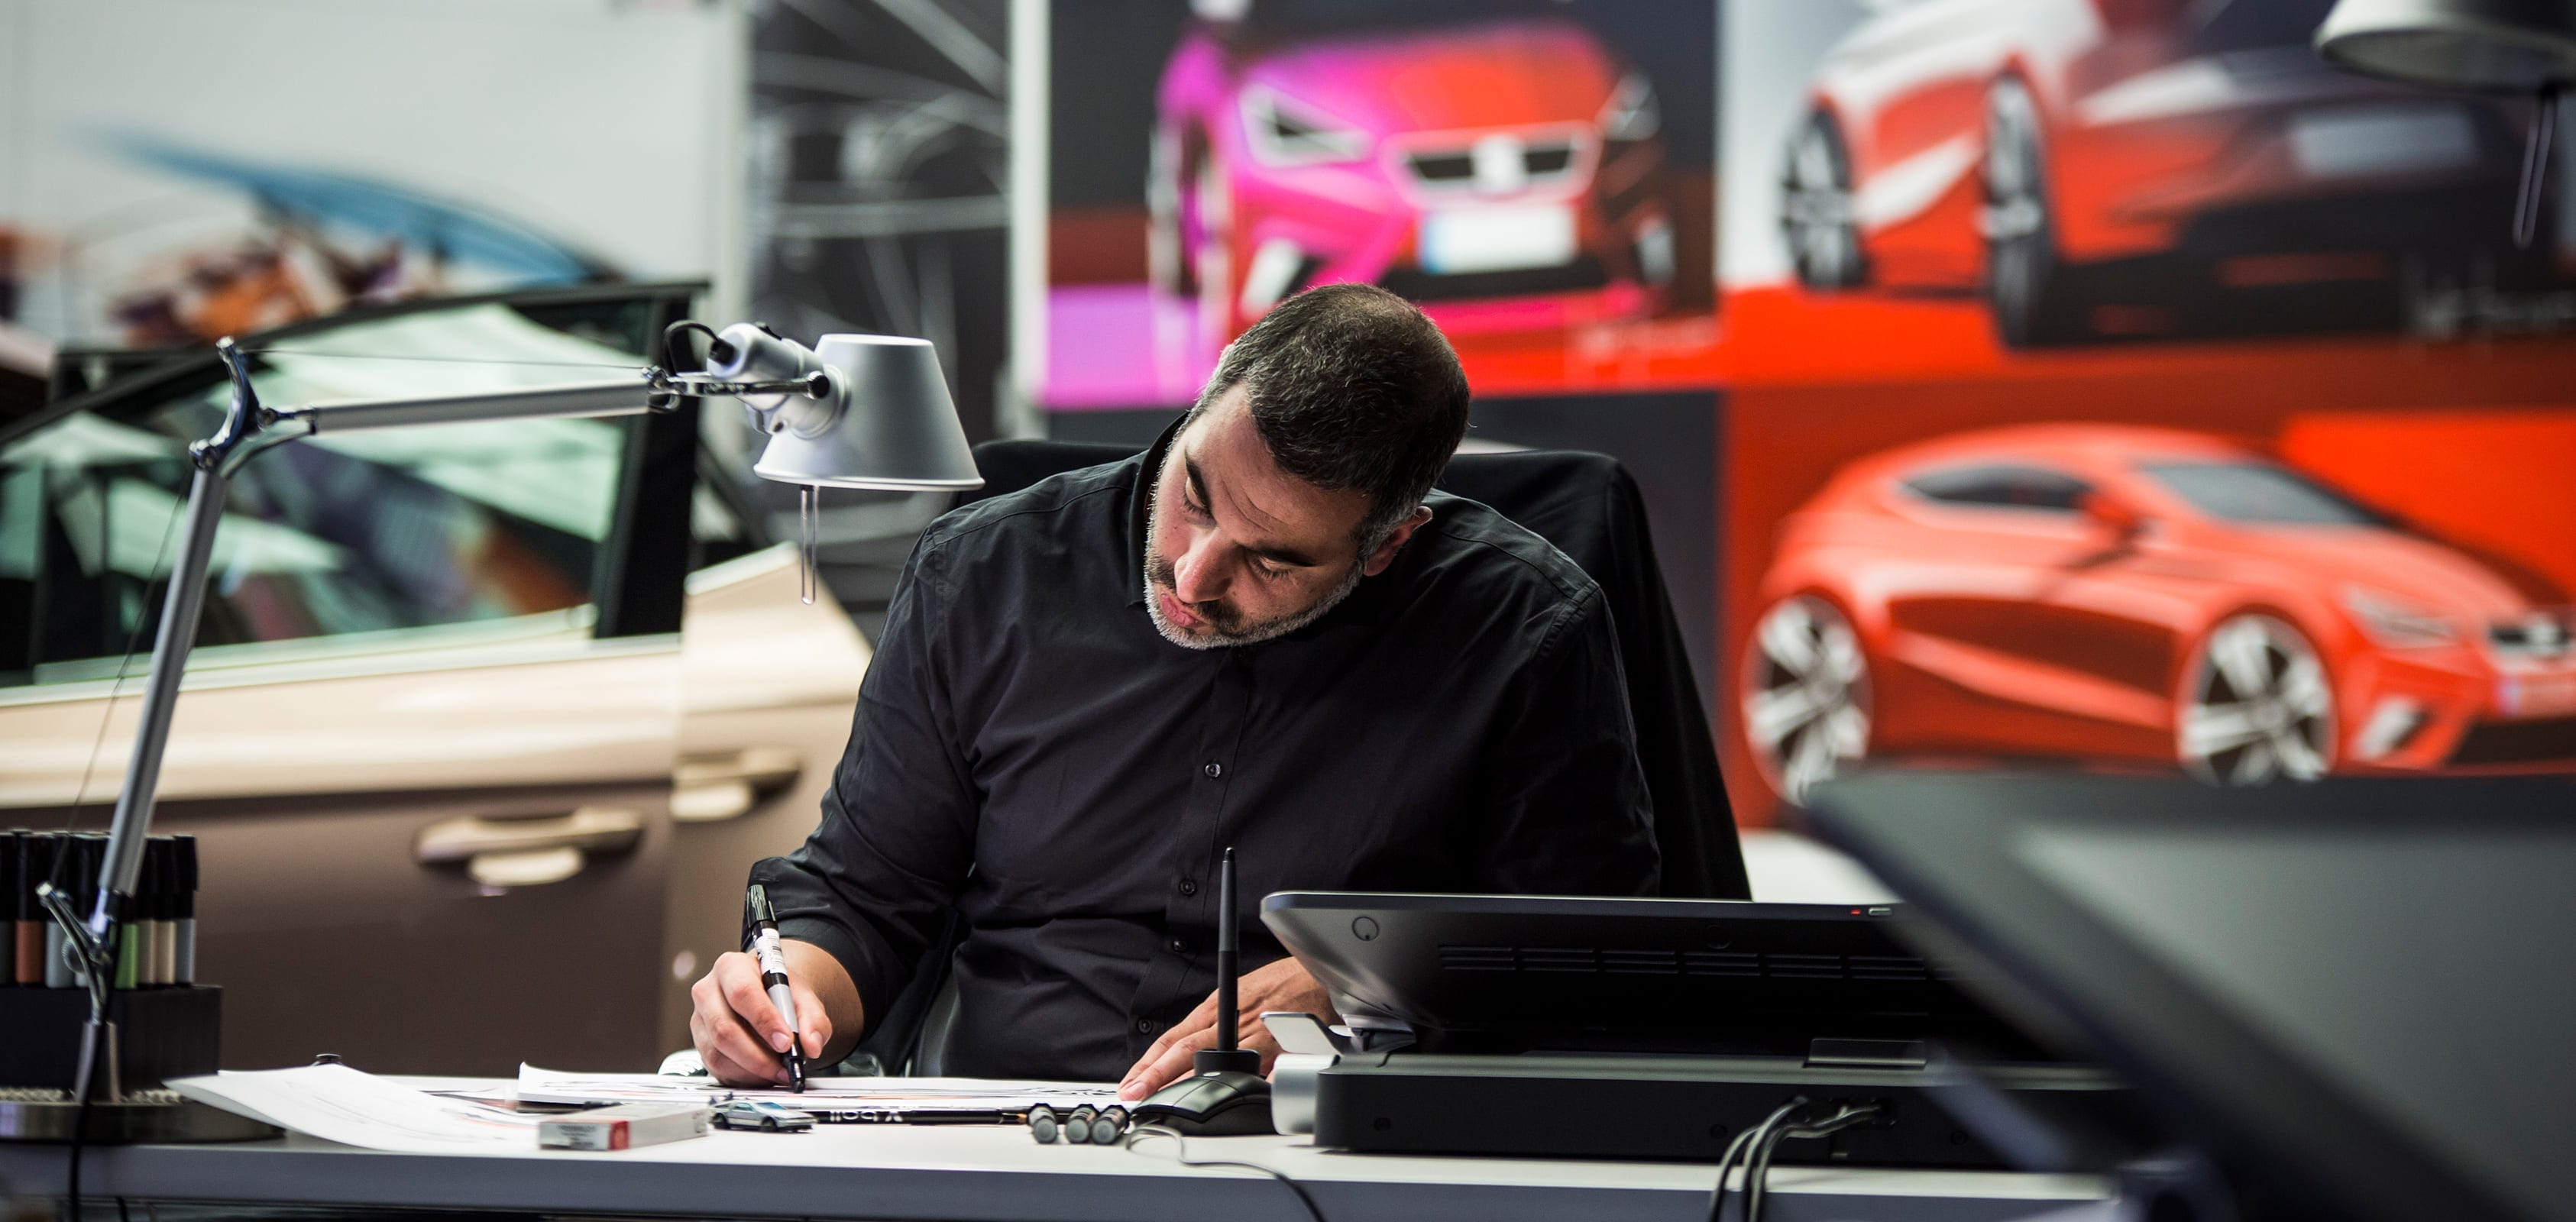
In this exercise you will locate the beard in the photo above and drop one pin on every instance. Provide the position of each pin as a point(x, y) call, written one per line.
point(1225, 627)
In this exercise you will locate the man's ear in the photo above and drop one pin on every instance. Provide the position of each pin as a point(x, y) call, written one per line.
point(1385, 553)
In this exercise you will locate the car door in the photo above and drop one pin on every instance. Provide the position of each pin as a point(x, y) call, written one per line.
point(2029, 603)
point(426, 741)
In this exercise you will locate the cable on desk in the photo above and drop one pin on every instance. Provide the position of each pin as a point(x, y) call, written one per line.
point(1181, 1155)
point(1756, 1145)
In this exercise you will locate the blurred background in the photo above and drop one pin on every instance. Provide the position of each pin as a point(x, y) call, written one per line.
point(2090, 384)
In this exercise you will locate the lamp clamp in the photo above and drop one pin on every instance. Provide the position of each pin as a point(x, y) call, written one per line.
point(815, 385)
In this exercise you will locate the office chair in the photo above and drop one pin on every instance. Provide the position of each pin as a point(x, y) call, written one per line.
point(1589, 507)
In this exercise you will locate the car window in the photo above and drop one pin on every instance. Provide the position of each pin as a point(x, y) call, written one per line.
point(2259, 492)
point(2002, 486)
point(330, 535)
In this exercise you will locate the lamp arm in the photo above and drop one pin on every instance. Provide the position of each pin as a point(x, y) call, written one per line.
point(214, 458)
point(250, 429)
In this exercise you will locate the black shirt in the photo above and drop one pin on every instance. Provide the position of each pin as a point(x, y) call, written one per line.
point(1029, 750)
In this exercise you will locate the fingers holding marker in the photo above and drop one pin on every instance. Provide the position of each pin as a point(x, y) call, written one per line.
point(733, 1022)
point(731, 1054)
point(740, 979)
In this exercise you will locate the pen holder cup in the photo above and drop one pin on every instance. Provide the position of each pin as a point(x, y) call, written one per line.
point(161, 1033)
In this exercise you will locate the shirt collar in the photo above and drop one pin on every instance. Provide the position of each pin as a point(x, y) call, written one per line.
point(1140, 499)
point(1366, 604)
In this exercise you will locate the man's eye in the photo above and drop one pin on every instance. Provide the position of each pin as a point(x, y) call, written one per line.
point(1268, 569)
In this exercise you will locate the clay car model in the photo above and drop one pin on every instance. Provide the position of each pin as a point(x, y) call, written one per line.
point(1502, 168)
point(762, 1114)
point(2088, 162)
point(2108, 593)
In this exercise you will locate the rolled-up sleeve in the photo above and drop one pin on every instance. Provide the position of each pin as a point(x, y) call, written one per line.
point(1570, 810)
point(874, 882)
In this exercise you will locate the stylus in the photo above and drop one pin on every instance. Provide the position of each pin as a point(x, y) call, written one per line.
point(1227, 948)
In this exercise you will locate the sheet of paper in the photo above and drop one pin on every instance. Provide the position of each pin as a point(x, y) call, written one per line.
point(820, 1094)
point(337, 1103)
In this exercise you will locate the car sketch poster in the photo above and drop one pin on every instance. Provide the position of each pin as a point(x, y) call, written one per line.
point(2112, 384)
point(1537, 174)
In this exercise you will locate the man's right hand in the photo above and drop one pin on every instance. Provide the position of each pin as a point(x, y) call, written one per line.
point(739, 1033)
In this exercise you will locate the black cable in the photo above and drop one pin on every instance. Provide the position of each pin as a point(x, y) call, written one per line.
point(1755, 1145)
point(1182, 1156)
point(1757, 1188)
point(1757, 1172)
point(675, 351)
point(1726, 1164)
point(1746, 1143)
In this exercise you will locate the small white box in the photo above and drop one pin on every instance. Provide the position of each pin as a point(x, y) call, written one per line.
point(624, 1126)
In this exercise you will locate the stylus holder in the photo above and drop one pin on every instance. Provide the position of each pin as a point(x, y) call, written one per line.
point(161, 1033)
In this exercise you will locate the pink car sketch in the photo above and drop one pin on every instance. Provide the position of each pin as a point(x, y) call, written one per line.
point(1503, 171)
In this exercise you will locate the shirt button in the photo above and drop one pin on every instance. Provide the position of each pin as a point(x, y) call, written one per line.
point(1189, 886)
point(1177, 946)
point(1214, 770)
point(1144, 1026)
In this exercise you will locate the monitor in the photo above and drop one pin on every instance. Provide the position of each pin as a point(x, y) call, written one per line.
point(2356, 991)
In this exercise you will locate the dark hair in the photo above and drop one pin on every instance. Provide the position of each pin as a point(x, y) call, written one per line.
point(1351, 387)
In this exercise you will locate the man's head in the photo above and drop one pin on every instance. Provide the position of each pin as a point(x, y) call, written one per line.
point(1302, 467)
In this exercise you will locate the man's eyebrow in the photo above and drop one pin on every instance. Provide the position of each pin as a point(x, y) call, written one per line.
point(1280, 555)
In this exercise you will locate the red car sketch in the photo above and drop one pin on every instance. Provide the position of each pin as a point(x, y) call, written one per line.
point(2117, 593)
point(1504, 172)
point(2090, 163)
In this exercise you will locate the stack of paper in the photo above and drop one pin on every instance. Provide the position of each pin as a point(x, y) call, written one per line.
point(337, 1103)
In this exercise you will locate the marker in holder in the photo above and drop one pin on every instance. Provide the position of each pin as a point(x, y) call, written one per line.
point(166, 1025)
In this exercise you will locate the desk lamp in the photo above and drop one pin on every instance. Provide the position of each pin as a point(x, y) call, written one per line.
point(858, 411)
point(2492, 46)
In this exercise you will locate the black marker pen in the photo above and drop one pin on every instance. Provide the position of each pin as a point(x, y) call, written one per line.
point(773, 977)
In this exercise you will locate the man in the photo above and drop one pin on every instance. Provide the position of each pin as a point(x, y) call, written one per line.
point(1257, 634)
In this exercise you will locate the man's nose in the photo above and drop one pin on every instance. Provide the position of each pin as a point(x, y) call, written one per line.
point(1199, 575)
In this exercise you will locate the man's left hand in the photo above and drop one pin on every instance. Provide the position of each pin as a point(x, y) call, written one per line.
point(1283, 985)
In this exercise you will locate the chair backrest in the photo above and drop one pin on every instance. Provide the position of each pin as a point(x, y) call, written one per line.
point(1590, 508)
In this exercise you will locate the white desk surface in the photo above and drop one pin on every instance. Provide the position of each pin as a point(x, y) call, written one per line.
point(987, 1172)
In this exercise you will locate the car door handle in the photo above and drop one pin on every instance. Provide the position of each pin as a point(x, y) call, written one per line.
point(528, 852)
point(727, 784)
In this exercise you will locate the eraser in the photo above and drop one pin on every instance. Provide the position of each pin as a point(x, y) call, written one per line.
point(625, 1126)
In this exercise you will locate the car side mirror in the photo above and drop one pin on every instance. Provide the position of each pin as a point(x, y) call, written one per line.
point(2113, 516)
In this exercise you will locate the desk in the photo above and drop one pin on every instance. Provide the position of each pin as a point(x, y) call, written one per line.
point(989, 1174)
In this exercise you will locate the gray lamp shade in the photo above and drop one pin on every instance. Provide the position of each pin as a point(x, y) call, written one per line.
point(897, 428)
point(2515, 46)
